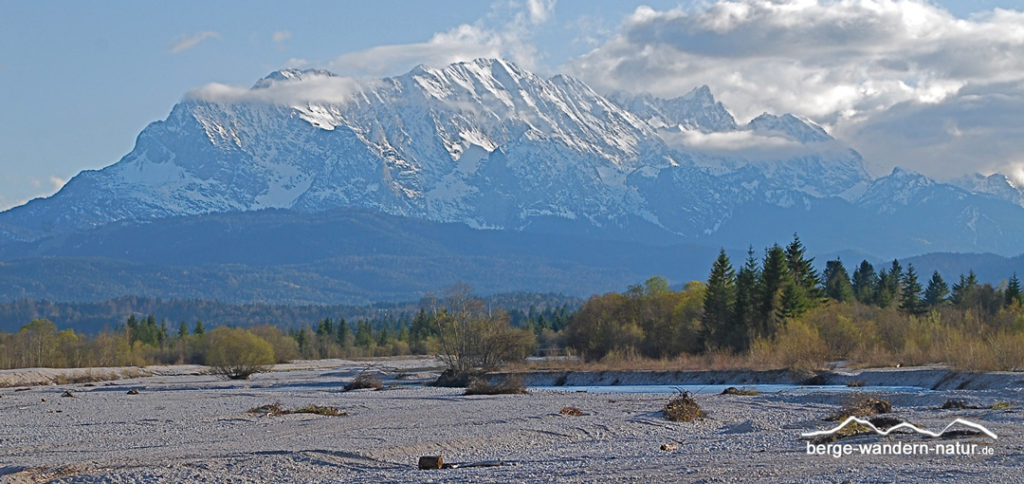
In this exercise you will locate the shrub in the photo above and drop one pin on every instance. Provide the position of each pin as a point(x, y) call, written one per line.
point(956, 404)
point(571, 412)
point(508, 386)
point(740, 391)
point(862, 406)
point(799, 346)
point(683, 408)
point(454, 379)
point(471, 338)
point(318, 410)
point(365, 380)
point(851, 429)
point(269, 410)
point(285, 347)
point(236, 353)
point(275, 409)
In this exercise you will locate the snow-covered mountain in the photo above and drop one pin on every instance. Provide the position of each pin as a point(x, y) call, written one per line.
point(996, 185)
point(484, 143)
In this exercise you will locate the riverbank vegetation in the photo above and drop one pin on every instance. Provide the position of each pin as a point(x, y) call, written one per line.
point(774, 310)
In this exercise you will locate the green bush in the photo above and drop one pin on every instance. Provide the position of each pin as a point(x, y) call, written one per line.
point(236, 353)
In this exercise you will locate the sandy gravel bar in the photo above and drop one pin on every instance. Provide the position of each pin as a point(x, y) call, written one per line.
point(197, 428)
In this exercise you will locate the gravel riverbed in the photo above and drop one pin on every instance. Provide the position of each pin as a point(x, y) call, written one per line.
point(198, 428)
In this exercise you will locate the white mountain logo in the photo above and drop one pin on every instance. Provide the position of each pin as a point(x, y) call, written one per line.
point(904, 425)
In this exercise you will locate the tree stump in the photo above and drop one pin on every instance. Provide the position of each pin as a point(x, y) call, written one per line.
point(431, 462)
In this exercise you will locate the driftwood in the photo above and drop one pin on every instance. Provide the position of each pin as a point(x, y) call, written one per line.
point(431, 462)
point(485, 463)
point(436, 462)
point(669, 447)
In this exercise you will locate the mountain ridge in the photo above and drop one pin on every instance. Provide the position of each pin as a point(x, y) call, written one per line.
point(493, 146)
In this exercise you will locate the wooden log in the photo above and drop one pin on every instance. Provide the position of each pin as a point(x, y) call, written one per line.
point(431, 462)
point(669, 447)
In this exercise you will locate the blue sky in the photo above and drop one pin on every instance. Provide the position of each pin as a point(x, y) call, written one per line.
point(81, 79)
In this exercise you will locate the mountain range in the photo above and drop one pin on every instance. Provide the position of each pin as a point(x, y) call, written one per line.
point(544, 177)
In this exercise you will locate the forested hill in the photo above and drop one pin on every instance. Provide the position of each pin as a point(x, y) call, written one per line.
point(92, 317)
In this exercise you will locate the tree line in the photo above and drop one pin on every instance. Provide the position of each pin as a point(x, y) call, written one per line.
point(775, 309)
point(778, 309)
point(149, 340)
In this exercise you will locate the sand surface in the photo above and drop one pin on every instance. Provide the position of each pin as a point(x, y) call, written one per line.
point(187, 427)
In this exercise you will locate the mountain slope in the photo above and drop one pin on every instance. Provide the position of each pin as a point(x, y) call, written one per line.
point(342, 256)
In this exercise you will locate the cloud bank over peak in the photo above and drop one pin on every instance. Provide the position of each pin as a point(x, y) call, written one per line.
point(289, 87)
point(861, 68)
point(507, 32)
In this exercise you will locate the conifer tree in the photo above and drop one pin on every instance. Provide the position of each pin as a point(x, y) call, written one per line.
point(884, 293)
point(383, 336)
point(719, 298)
point(865, 283)
point(801, 268)
point(963, 291)
point(910, 294)
point(200, 330)
point(133, 328)
point(1012, 294)
point(774, 275)
point(936, 292)
point(837, 282)
point(344, 335)
point(163, 335)
point(182, 330)
point(744, 309)
point(793, 302)
point(891, 284)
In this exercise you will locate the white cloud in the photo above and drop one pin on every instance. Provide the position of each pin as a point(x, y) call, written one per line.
point(747, 144)
point(57, 182)
point(540, 10)
point(40, 188)
point(8, 203)
point(506, 32)
point(296, 63)
point(842, 63)
point(186, 42)
point(465, 42)
point(311, 87)
point(281, 36)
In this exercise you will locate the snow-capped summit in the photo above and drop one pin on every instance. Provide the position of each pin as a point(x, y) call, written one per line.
point(790, 126)
point(290, 74)
point(697, 110)
point(996, 185)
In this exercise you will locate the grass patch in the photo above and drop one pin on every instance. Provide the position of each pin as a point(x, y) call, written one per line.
point(318, 410)
point(848, 431)
point(1001, 406)
point(453, 379)
point(740, 391)
point(275, 409)
point(683, 408)
point(269, 410)
point(571, 412)
point(957, 404)
point(861, 406)
point(508, 386)
point(365, 380)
